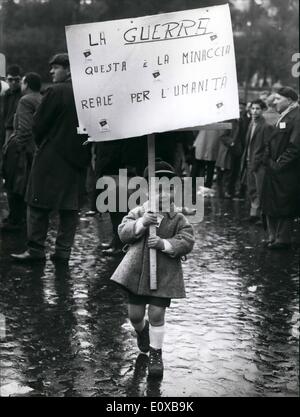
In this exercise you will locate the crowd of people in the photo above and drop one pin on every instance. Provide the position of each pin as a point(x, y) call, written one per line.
point(48, 167)
point(257, 159)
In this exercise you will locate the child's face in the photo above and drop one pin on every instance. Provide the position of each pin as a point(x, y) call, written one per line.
point(165, 198)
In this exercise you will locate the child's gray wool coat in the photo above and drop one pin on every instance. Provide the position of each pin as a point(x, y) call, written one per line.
point(134, 271)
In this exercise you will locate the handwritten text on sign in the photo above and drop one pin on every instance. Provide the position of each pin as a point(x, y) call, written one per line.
point(133, 77)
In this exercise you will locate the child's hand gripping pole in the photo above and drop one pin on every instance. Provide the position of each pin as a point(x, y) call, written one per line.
point(152, 228)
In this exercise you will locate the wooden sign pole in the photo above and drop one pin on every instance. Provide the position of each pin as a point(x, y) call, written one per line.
point(2, 64)
point(152, 229)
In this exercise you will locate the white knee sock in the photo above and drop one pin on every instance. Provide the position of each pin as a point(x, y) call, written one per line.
point(156, 334)
point(139, 326)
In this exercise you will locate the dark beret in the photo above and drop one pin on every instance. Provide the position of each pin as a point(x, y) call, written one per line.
point(288, 92)
point(60, 59)
point(162, 169)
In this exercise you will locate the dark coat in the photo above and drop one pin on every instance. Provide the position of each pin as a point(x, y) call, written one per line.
point(114, 155)
point(230, 146)
point(10, 103)
point(58, 171)
point(18, 152)
point(256, 146)
point(133, 271)
point(281, 188)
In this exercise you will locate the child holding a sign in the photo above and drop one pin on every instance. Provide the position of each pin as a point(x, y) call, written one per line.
point(174, 239)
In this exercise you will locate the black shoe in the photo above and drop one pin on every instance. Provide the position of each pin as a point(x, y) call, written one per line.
point(141, 364)
point(27, 257)
point(143, 339)
point(112, 252)
point(54, 257)
point(156, 366)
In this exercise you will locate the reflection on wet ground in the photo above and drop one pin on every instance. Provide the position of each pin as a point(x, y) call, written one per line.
point(236, 334)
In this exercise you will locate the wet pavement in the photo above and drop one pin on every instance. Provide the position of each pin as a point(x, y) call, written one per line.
point(236, 333)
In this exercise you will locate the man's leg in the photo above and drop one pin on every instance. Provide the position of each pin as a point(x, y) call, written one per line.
point(17, 212)
point(220, 182)
point(195, 172)
point(178, 158)
point(233, 176)
point(68, 220)
point(116, 243)
point(252, 193)
point(37, 228)
point(91, 190)
point(271, 228)
point(210, 169)
point(18, 209)
point(284, 230)
point(259, 179)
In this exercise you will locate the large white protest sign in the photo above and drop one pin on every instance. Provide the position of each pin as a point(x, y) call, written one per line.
point(157, 73)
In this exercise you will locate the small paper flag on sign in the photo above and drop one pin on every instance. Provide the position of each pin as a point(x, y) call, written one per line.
point(104, 125)
point(87, 54)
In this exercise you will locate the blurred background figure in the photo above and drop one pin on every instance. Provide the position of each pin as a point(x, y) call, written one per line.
point(227, 163)
point(11, 99)
point(111, 156)
point(270, 114)
point(3, 88)
point(206, 148)
point(264, 95)
point(244, 120)
point(173, 147)
point(18, 152)
point(57, 178)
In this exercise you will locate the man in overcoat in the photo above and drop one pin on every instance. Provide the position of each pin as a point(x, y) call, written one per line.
point(57, 177)
point(252, 159)
point(19, 150)
point(281, 189)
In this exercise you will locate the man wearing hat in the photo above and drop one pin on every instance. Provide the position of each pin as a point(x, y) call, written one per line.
point(57, 177)
point(280, 197)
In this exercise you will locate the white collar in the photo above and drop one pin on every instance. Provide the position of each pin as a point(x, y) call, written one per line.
point(291, 107)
